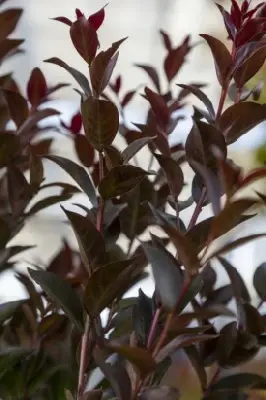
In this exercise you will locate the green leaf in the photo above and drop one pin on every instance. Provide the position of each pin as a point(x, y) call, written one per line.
point(61, 292)
point(167, 273)
point(104, 285)
point(101, 122)
point(139, 357)
point(77, 75)
point(79, 174)
point(120, 180)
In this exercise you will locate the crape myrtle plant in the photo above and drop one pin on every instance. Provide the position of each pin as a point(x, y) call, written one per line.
point(53, 342)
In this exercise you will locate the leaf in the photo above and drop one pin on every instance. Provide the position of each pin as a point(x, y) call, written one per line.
point(134, 147)
point(33, 119)
point(116, 374)
point(176, 58)
point(159, 107)
point(92, 395)
point(160, 371)
point(77, 75)
point(61, 292)
point(259, 280)
point(167, 273)
point(104, 285)
point(250, 67)
point(37, 87)
point(180, 342)
point(240, 118)
point(102, 67)
point(120, 180)
point(229, 217)
point(36, 171)
point(84, 150)
point(8, 21)
point(235, 244)
point(142, 317)
point(173, 173)
point(197, 363)
point(79, 174)
point(84, 39)
point(9, 147)
point(202, 97)
point(189, 292)
point(90, 241)
point(139, 357)
point(8, 47)
point(10, 356)
point(8, 309)
point(222, 58)
point(18, 107)
point(101, 122)
point(160, 393)
point(19, 190)
point(240, 381)
point(153, 75)
point(47, 202)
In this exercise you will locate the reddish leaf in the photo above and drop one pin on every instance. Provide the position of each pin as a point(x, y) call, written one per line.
point(18, 107)
point(236, 14)
point(202, 97)
point(240, 118)
point(76, 123)
point(33, 119)
point(173, 173)
point(230, 27)
point(116, 86)
point(175, 59)
point(77, 75)
point(9, 147)
point(37, 87)
point(8, 21)
point(120, 180)
point(101, 122)
point(97, 18)
point(251, 30)
point(84, 150)
point(152, 73)
point(8, 46)
point(222, 58)
point(19, 190)
point(84, 38)
point(134, 147)
point(102, 67)
point(127, 98)
point(159, 107)
point(64, 20)
point(139, 357)
point(113, 157)
point(166, 40)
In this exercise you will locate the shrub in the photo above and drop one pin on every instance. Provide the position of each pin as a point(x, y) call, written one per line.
point(55, 339)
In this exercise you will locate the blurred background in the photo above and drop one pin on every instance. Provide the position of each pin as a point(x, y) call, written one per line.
point(141, 21)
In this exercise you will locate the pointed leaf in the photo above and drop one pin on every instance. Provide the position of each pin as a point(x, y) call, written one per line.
point(84, 38)
point(104, 286)
point(120, 180)
point(90, 241)
point(101, 122)
point(139, 357)
point(240, 381)
point(18, 107)
point(19, 190)
point(8, 21)
point(167, 273)
point(8, 309)
point(61, 292)
point(153, 75)
point(79, 174)
point(222, 58)
point(102, 67)
point(77, 75)
point(9, 147)
point(176, 58)
point(134, 147)
point(240, 118)
point(173, 173)
point(33, 120)
point(259, 280)
point(202, 97)
point(84, 150)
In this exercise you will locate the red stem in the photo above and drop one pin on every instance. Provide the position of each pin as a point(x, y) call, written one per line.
point(86, 335)
point(153, 328)
point(198, 209)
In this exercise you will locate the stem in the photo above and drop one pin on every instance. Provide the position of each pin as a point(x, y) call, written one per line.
point(212, 381)
point(198, 209)
point(84, 353)
point(153, 327)
point(163, 334)
point(177, 213)
point(83, 359)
